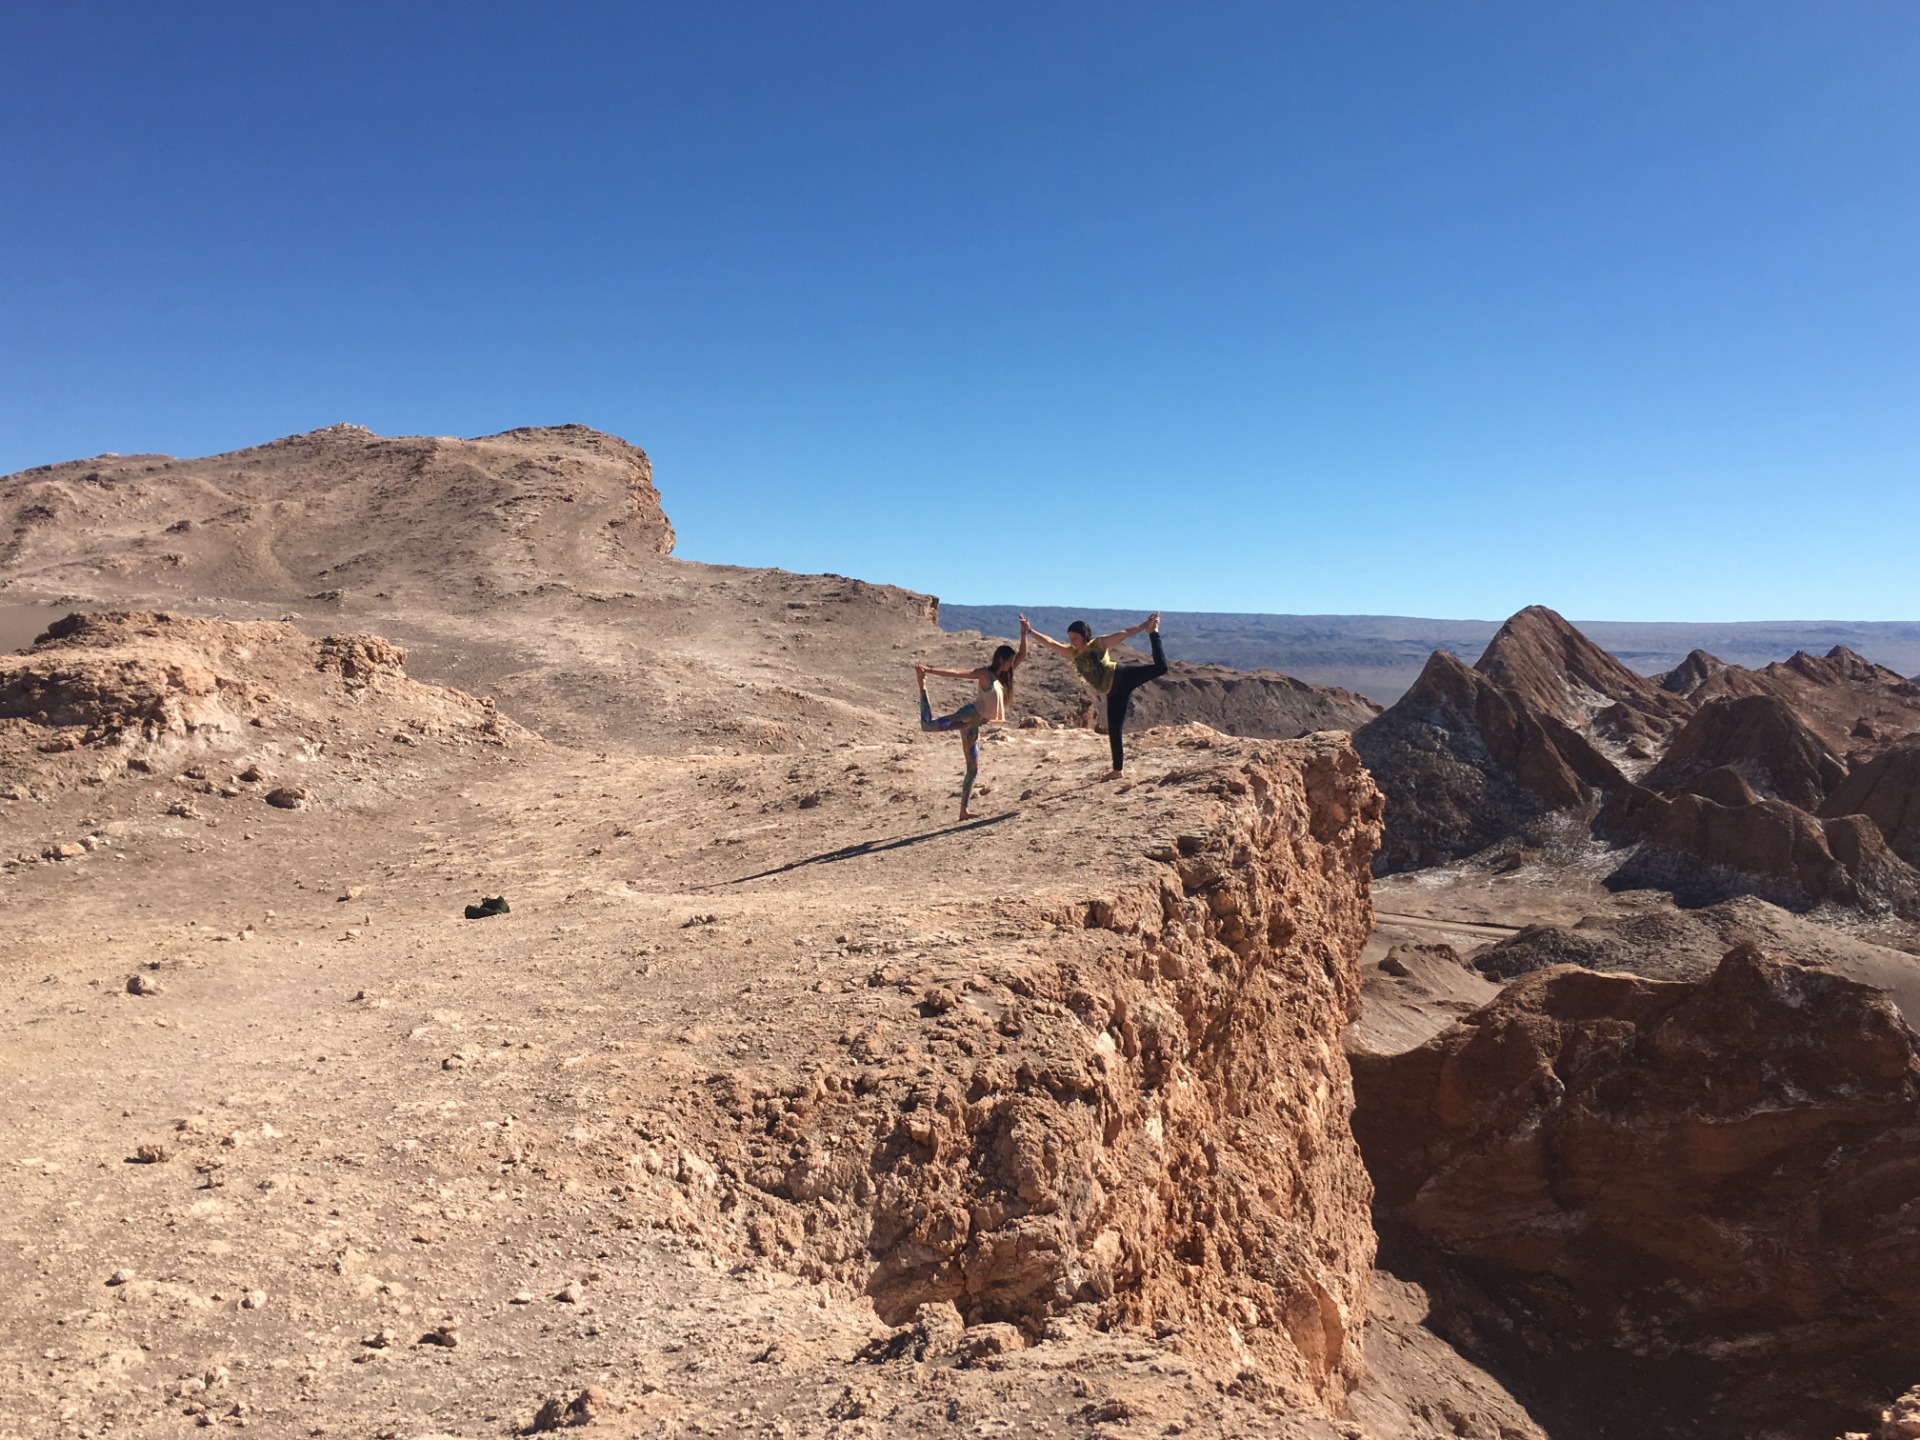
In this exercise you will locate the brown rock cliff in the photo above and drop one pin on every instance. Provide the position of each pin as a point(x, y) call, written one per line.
point(1686, 1206)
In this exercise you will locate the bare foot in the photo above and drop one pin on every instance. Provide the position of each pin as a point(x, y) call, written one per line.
point(1153, 623)
point(920, 674)
point(1111, 775)
point(966, 815)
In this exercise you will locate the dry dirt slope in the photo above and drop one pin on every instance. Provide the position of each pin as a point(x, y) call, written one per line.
point(767, 1057)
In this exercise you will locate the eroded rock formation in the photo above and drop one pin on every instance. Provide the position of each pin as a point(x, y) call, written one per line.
point(1701, 851)
point(1714, 782)
point(1683, 1207)
point(1466, 762)
point(1761, 741)
point(1146, 1122)
point(108, 696)
point(1886, 790)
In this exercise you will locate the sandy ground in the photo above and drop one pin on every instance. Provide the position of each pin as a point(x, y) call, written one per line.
point(376, 1120)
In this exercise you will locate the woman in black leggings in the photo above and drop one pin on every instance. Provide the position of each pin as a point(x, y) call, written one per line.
point(1092, 656)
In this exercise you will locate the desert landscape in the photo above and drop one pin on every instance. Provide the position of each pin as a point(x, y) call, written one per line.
point(1527, 1058)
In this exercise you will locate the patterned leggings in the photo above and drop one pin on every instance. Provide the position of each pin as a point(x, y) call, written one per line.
point(967, 721)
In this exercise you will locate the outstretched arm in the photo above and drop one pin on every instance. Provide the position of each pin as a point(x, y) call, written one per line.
point(977, 673)
point(1046, 640)
point(1107, 642)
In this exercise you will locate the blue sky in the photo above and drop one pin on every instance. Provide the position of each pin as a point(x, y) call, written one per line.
point(1415, 308)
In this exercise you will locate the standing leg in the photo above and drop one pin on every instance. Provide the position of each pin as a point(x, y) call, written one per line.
point(1126, 680)
point(1117, 699)
point(970, 743)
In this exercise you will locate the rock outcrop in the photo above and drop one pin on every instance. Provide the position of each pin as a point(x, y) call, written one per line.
point(1691, 673)
point(1886, 790)
point(1165, 1143)
point(1466, 761)
point(111, 696)
point(1260, 704)
point(1684, 1208)
point(1761, 741)
point(1701, 852)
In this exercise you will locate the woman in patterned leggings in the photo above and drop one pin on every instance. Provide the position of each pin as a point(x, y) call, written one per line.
point(989, 707)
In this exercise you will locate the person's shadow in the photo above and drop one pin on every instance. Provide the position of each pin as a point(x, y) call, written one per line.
point(866, 847)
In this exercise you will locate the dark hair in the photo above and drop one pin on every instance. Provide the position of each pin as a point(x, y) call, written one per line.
point(1081, 628)
point(1005, 652)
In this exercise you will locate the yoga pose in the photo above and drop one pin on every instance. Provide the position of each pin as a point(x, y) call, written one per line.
point(989, 707)
point(1091, 656)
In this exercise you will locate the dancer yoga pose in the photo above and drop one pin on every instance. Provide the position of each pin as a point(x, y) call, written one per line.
point(1091, 656)
point(995, 679)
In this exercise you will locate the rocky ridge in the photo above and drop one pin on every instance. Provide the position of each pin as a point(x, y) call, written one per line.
point(1711, 783)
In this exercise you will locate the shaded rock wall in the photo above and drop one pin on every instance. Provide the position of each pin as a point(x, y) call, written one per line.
point(1687, 1207)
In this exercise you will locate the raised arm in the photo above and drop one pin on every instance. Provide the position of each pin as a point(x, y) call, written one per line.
point(1107, 642)
point(1052, 644)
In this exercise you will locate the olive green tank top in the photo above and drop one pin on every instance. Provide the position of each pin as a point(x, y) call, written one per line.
point(1096, 667)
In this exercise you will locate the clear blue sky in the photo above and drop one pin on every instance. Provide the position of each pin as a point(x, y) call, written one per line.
point(1421, 308)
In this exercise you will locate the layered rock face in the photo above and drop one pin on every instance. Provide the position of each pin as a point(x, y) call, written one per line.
point(1164, 1141)
point(1679, 1207)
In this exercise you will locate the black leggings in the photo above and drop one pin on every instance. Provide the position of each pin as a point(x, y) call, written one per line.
point(1126, 680)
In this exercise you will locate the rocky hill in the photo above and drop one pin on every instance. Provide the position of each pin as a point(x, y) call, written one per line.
point(535, 565)
point(336, 510)
point(1714, 782)
point(773, 1101)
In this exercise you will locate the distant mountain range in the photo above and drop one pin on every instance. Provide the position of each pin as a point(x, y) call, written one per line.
point(1381, 655)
